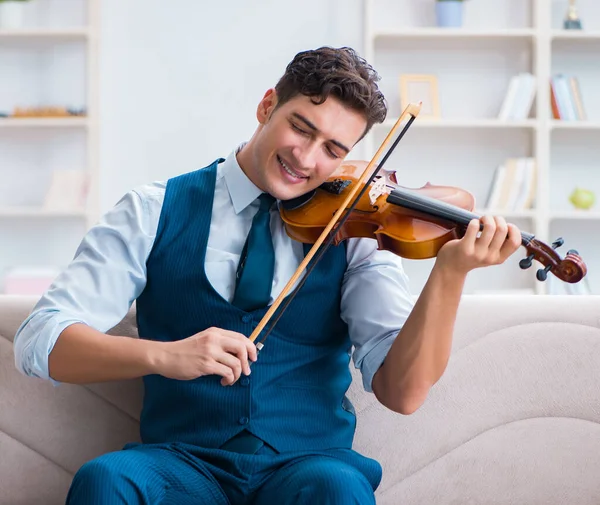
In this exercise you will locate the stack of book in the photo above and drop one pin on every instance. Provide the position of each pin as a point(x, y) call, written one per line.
point(558, 287)
point(513, 186)
point(519, 97)
point(68, 191)
point(565, 96)
point(28, 280)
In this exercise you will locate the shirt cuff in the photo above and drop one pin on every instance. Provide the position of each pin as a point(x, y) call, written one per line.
point(32, 357)
point(373, 359)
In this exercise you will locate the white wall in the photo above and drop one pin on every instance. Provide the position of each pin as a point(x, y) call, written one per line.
point(180, 81)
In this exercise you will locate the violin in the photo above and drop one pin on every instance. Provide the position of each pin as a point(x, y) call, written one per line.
point(413, 223)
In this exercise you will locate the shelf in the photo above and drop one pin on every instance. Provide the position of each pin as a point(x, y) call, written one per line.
point(462, 123)
point(12, 212)
point(51, 122)
point(574, 125)
point(507, 214)
point(575, 35)
point(437, 33)
point(43, 33)
point(576, 215)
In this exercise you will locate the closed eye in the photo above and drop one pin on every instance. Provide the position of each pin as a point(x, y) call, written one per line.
point(332, 153)
point(298, 129)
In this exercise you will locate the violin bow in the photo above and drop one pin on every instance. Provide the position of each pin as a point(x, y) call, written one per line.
point(411, 110)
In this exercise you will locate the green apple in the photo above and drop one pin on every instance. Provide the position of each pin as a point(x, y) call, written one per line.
point(582, 198)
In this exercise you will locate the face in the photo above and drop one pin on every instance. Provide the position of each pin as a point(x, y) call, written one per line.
point(299, 145)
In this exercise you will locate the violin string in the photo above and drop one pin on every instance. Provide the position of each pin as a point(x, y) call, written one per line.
point(332, 234)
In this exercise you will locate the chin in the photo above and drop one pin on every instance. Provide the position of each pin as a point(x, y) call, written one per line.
point(283, 192)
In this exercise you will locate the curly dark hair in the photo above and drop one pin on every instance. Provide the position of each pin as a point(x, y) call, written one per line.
point(339, 72)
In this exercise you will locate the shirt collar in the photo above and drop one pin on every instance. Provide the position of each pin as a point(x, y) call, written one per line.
point(242, 190)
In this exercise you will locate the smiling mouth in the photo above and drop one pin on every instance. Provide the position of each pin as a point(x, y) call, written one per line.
point(293, 173)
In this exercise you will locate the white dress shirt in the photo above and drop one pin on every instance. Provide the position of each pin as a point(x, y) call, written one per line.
point(108, 273)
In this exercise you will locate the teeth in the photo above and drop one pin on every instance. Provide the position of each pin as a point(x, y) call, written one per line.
point(289, 170)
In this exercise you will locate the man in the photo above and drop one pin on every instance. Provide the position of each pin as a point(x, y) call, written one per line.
point(203, 256)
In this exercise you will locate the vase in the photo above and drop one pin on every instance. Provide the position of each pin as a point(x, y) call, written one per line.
point(11, 15)
point(449, 14)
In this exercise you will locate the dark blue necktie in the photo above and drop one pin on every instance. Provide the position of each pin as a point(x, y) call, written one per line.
point(255, 270)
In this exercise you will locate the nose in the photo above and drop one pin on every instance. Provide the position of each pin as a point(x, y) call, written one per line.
point(306, 155)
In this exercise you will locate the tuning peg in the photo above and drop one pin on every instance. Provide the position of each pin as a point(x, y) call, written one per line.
point(573, 251)
point(558, 242)
point(525, 263)
point(542, 273)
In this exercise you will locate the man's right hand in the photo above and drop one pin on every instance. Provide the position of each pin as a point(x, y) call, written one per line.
point(211, 352)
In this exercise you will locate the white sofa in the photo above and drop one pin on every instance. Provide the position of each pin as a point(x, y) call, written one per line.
point(514, 420)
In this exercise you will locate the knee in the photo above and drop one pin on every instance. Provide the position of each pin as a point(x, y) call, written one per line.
point(106, 476)
point(337, 484)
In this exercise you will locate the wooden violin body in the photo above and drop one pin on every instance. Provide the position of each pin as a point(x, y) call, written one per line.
point(405, 232)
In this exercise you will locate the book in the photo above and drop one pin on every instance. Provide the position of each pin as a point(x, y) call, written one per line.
point(513, 186)
point(519, 97)
point(68, 191)
point(29, 280)
point(566, 99)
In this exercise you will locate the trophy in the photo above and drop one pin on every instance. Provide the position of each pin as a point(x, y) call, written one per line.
point(572, 21)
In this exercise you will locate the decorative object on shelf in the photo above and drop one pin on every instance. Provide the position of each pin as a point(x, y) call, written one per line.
point(415, 88)
point(449, 13)
point(11, 14)
point(572, 20)
point(47, 112)
point(582, 199)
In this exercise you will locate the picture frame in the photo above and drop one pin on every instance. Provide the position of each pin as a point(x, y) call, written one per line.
point(415, 88)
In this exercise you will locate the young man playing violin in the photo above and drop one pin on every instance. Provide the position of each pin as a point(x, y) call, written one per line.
point(204, 255)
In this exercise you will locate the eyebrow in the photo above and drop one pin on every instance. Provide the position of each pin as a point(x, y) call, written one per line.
point(315, 129)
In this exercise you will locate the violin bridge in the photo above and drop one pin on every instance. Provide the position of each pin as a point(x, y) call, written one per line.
point(378, 188)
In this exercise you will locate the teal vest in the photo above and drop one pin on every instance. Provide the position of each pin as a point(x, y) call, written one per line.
point(294, 398)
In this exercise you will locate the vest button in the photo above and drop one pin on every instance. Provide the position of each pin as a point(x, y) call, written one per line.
point(244, 381)
point(243, 420)
point(246, 318)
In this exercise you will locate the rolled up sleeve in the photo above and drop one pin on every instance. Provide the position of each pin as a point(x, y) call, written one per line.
point(376, 301)
point(107, 273)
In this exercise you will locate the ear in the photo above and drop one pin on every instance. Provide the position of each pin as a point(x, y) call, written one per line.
point(266, 106)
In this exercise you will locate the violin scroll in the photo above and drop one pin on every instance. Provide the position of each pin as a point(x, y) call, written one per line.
point(570, 269)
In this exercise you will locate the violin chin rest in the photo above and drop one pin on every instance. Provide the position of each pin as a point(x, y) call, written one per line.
point(299, 201)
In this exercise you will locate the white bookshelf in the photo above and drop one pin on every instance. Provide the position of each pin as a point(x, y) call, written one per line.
point(52, 61)
point(473, 65)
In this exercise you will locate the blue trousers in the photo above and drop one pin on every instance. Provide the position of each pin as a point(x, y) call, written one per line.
point(180, 474)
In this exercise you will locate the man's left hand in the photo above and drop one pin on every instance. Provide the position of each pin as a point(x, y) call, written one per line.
point(496, 242)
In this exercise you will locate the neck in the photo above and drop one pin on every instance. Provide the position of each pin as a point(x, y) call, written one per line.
point(245, 158)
